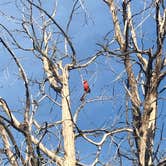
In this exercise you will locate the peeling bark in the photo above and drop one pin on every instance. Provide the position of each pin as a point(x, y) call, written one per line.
point(144, 109)
point(147, 131)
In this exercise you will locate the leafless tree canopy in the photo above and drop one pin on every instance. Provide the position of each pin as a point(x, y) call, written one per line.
point(42, 119)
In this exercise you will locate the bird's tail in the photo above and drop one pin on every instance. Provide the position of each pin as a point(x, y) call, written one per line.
point(83, 96)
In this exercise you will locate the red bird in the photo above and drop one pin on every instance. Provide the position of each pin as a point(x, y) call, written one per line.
point(86, 89)
point(86, 86)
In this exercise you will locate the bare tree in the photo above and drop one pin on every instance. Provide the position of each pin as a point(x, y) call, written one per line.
point(45, 128)
point(39, 36)
point(143, 82)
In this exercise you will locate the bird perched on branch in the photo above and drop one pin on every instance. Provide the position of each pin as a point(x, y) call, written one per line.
point(86, 89)
point(86, 86)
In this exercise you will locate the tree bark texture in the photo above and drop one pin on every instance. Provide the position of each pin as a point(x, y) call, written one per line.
point(67, 122)
point(144, 104)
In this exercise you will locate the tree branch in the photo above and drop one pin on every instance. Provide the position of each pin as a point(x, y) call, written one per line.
point(24, 77)
point(18, 126)
point(60, 28)
point(105, 135)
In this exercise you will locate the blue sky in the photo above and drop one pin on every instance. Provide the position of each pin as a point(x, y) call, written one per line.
point(101, 75)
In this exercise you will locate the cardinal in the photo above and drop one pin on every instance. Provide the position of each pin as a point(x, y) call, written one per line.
point(86, 89)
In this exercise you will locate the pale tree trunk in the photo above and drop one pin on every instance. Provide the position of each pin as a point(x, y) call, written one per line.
point(144, 110)
point(67, 122)
point(11, 156)
point(144, 122)
point(145, 136)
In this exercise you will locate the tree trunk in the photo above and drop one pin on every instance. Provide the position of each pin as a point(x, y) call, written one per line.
point(147, 131)
point(7, 148)
point(67, 123)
